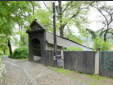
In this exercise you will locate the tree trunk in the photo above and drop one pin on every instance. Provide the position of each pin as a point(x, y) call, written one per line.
point(10, 49)
point(105, 35)
point(4, 51)
point(61, 31)
point(22, 37)
point(60, 19)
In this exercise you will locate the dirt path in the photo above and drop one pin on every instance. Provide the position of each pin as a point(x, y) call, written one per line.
point(23, 72)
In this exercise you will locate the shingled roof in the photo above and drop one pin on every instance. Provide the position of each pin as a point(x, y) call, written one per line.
point(63, 41)
point(35, 21)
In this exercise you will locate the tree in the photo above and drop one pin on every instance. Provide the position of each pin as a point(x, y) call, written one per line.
point(106, 12)
point(22, 23)
point(72, 13)
point(93, 33)
point(101, 44)
point(98, 41)
point(12, 12)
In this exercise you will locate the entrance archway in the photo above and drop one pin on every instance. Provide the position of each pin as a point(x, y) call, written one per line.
point(36, 47)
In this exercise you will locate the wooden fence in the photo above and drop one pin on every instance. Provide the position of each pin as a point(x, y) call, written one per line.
point(106, 63)
point(48, 57)
point(82, 61)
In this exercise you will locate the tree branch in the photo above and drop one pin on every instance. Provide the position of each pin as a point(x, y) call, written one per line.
point(103, 16)
point(100, 12)
point(110, 32)
point(101, 29)
point(110, 14)
point(66, 7)
point(45, 5)
point(33, 8)
point(70, 19)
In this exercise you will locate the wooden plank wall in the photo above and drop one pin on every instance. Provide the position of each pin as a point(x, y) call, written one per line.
point(106, 63)
point(48, 57)
point(82, 61)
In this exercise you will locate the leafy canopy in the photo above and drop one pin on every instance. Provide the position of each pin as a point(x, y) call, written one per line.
point(73, 13)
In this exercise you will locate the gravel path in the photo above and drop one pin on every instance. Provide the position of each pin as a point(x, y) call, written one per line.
point(22, 72)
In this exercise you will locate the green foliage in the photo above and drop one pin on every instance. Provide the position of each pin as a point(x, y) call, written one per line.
point(2, 66)
point(92, 33)
point(100, 43)
point(74, 49)
point(2, 69)
point(95, 77)
point(24, 59)
point(62, 70)
point(16, 12)
point(76, 39)
point(1, 53)
point(94, 84)
point(20, 53)
point(43, 17)
point(73, 13)
point(70, 35)
point(23, 41)
point(2, 43)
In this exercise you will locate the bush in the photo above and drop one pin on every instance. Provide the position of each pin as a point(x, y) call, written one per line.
point(101, 44)
point(74, 49)
point(20, 53)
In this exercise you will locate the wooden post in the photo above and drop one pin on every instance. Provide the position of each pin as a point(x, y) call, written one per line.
point(54, 31)
point(62, 53)
point(97, 62)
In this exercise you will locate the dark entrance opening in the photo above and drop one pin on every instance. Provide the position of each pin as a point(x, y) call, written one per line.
point(36, 47)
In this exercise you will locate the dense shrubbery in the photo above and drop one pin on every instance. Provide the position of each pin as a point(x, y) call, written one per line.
point(20, 53)
point(74, 49)
point(101, 44)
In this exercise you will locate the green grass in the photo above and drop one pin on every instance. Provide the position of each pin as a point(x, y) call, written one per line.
point(95, 77)
point(66, 71)
point(94, 84)
point(62, 70)
point(24, 59)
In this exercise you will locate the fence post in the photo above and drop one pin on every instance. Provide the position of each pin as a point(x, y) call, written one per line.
point(97, 61)
point(62, 53)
